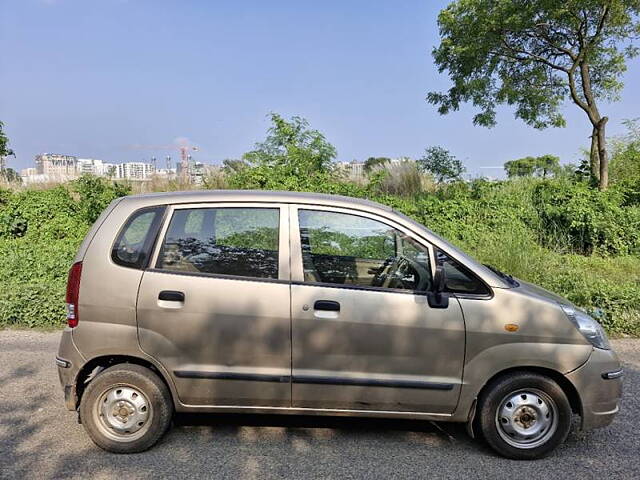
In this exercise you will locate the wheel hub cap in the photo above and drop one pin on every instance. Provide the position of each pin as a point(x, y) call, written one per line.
point(527, 418)
point(124, 410)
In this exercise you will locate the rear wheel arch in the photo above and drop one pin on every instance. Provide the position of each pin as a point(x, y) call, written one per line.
point(94, 366)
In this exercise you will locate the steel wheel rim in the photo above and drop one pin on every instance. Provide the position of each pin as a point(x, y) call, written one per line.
point(527, 418)
point(123, 413)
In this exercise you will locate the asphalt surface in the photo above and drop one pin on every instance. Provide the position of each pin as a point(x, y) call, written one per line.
point(40, 439)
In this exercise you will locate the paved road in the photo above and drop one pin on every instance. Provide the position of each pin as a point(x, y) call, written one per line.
point(40, 439)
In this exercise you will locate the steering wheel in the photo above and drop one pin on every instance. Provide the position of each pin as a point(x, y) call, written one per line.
point(381, 272)
point(400, 269)
point(378, 277)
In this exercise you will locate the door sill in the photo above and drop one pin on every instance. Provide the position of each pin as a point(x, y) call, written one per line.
point(343, 412)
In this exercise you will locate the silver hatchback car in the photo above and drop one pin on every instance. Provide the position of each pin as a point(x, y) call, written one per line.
point(297, 303)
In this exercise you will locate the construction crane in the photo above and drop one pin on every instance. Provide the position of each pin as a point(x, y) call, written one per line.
point(184, 147)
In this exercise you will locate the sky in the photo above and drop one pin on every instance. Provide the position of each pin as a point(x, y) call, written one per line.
point(125, 80)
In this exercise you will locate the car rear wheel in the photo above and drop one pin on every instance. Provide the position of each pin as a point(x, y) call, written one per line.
point(524, 415)
point(126, 409)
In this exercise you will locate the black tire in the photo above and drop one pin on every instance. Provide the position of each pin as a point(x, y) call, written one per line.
point(156, 403)
point(554, 428)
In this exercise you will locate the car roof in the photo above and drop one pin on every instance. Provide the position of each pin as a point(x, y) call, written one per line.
point(197, 196)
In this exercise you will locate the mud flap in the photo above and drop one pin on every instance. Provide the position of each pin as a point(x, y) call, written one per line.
point(471, 418)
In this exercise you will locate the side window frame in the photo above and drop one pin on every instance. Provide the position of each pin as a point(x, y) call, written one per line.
point(150, 240)
point(284, 274)
point(297, 270)
point(488, 293)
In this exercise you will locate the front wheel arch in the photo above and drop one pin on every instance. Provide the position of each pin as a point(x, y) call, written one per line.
point(566, 386)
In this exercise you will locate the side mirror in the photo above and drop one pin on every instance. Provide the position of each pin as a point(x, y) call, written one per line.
point(437, 297)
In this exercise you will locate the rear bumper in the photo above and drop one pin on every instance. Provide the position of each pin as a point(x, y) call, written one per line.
point(599, 386)
point(69, 361)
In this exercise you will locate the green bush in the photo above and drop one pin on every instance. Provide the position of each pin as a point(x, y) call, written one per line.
point(587, 220)
point(40, 231)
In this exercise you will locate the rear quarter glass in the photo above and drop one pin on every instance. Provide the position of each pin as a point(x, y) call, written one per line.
point(135, 240)
point(94, 229)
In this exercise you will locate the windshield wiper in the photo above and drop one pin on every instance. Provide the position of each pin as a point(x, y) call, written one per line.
point(509, 278)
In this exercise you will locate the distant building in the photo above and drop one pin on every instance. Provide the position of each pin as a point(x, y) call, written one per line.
point(400, 161)
point(56, 166)
point(52, 167)
point(109, 170)
point(135, 171)
point(166, 172)
point(353, 169)
point(197, 172)
point(91, 166)
point(357, 169)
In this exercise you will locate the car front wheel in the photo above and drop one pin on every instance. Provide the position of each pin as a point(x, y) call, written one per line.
point(524, 415)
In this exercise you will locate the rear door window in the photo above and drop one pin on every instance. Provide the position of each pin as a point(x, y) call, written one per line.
point(234, 241)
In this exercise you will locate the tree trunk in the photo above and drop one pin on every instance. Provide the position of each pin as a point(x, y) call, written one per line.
point(602, 154)
point(594, 159)
point(598, 122)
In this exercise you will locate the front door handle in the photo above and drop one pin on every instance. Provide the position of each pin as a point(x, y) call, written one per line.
point(171, 296)
point(327, 305)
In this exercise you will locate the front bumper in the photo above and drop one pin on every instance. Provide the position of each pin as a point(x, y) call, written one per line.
point(599, 386)
point(69, 361)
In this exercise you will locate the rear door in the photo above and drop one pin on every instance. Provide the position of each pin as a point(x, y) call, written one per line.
point(363, 334)
point(214, 309)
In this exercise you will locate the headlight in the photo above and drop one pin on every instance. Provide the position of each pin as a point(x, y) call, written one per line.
point(588, 327)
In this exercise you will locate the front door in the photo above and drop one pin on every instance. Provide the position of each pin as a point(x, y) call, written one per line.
point(214, 309)
point(363, 334)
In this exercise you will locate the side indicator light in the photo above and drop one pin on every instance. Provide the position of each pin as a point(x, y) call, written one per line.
point(511, 327)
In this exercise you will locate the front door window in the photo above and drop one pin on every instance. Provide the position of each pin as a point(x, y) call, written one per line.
point(345, 249)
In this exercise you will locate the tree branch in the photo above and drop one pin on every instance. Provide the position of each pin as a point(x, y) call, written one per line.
point(533, 56)
point(575, 97)
point(549, 42)
point(601, 22)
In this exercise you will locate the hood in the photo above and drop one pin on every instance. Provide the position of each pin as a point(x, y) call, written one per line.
point(541, 292)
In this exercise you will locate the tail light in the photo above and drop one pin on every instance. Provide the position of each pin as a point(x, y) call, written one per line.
point(73, 294)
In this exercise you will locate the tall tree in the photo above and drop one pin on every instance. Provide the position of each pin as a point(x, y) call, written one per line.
point(293, 147)
point(547, 164)
point(10, 175)
point(522, 167)
point(5, 151)
point(535, 54)
point(530, 166)
point(441, 164)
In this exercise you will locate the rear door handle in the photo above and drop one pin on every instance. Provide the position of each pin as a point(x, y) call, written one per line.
point(171, 296)
point(327, 305)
